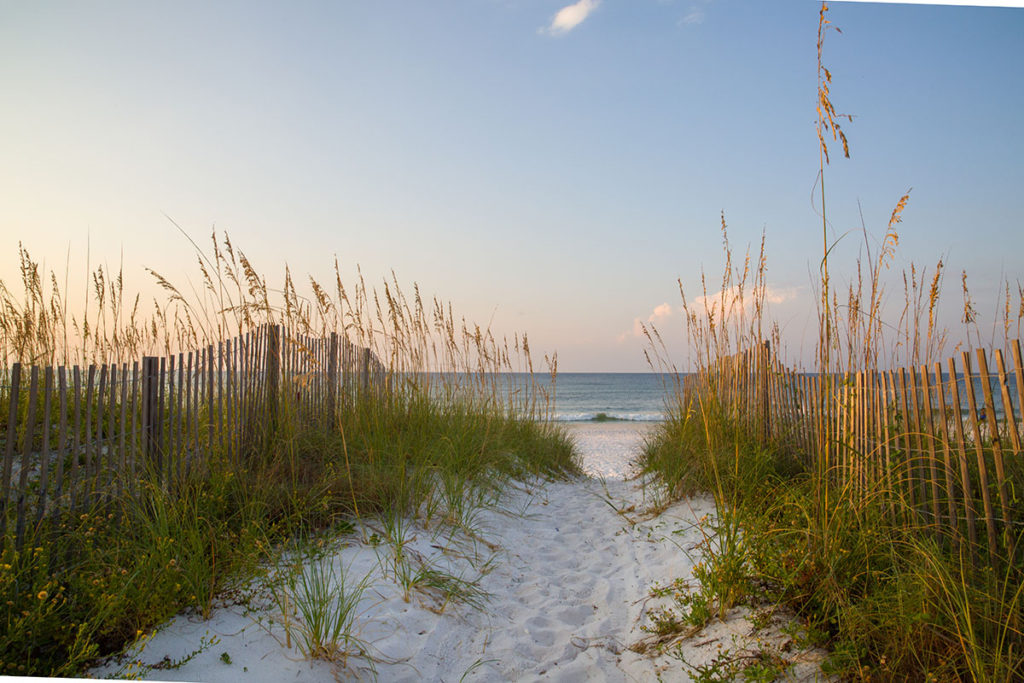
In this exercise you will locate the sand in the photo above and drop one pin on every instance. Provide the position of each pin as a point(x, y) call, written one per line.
point(566, 569)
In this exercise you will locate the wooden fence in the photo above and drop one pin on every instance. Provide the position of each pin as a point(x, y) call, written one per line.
point(937, 445)
point(72, 437)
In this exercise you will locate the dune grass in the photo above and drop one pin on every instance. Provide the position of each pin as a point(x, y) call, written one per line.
point(890, 601)
point(890, 596)
point(458, 415)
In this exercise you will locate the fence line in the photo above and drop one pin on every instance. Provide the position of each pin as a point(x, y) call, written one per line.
point(939, 445)
point(76, 437)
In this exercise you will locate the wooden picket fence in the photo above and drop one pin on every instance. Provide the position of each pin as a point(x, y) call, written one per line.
point(74, 437)
point(937, 446)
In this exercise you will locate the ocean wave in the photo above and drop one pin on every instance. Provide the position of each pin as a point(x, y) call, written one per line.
point(609, 417)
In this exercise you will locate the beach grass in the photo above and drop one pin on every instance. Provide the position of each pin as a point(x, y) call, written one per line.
point(439, 437)
point(889, 601)
point(891, 596)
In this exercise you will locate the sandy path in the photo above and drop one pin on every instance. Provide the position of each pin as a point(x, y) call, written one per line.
point(566, 576)
point(567, 595)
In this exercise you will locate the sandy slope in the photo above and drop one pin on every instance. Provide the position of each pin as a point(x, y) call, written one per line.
point(567, 578)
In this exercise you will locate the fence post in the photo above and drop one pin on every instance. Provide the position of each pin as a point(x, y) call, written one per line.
point(366, 369)
point(273, 372)
point(12, 434)
point(151, 413)
point(332, 377)
point(766, 427)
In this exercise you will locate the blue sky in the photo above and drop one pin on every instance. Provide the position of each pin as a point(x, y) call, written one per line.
point(554, 176)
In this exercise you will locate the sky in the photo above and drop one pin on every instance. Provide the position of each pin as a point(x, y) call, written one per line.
point(546, 166)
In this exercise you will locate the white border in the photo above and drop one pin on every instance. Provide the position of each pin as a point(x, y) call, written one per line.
point(975, 3)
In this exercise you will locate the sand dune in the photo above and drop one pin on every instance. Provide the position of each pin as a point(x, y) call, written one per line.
point(564, 571)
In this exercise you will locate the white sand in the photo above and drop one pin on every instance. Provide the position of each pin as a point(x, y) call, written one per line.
point(567, 579)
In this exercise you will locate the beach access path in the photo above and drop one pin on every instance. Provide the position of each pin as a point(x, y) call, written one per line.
point(565, 571)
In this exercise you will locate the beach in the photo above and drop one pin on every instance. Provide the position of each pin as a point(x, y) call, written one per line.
point(556, 582)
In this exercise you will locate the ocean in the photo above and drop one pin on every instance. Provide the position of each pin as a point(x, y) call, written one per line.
point(609, 415)
point(610, 396)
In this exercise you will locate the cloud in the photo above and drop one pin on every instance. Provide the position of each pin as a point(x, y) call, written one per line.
point(734, 304)
point(570, 16)
point(660, 313)
point(696, 13)
point(694, 16)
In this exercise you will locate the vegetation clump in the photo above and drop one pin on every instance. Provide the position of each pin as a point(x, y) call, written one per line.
point(850, 504)
point(455, 413)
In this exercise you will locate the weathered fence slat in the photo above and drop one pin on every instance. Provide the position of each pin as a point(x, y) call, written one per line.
point(929, 436)
point(188, 442)
point(1018, 373)
point(272, 382)
point(161, 416)
point(230, 402)
point(9, 446)
point(979, 449)
point(945, 438)
point(1009, 417)
point(211, 401)
point(122, 450)
point(27, 437)
point(97, 460)
point(179, 449)
point(111, 435)
point(961, 441)
point(220, 395)
point(44, 453)
point(881, 449)
point(86, 469)
point(168, 410)
point(62, 434)
point(136, 440)
point(888, 438)
point(76, 376)
point(150, 394)
point(997, 448)
point(196, 380)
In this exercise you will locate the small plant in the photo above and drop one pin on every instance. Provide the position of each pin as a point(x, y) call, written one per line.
point(658, 591)
point(765, 666)
point(723, 668)
point(761, 618)
point(135, 669)
point(722, 572)
point(319, 609)
point(758, 666)
point(444, 588)
point(690, 612)
point(666, 622)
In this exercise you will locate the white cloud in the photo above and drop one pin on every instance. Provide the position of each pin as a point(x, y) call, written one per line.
point(733, 304)
point(696, 13)
point(570, 16)
point(660, 313)
point(695, 16)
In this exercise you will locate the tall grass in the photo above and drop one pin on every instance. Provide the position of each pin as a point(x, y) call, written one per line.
point(459, 413)
point(892, 595)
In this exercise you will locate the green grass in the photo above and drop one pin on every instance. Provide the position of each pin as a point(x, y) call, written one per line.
point(436, 442)
point(318, 607)
point(890, 602)
point(891, 597)
point(124, 568)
